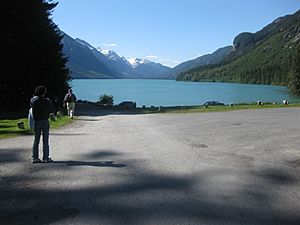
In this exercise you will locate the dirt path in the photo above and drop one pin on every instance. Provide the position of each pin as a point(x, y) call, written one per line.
point(232, 168)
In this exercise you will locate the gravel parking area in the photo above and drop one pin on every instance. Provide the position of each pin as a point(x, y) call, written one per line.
point(225, 168)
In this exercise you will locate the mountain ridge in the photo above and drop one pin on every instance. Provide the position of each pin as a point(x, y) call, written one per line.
point(206, 59)
point(263, 57)
point(87, 62)
point(81, 61)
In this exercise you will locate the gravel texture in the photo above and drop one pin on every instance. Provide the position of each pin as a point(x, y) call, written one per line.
point(225, 168)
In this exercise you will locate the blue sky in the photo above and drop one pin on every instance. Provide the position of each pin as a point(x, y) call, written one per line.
point(166, 31)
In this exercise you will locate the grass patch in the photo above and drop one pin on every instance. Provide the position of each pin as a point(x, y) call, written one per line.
point(9, 128)
point(64, 120)
point(200, 108)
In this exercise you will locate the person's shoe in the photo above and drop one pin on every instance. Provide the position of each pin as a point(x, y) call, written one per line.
point(36, 160)
point(49, 160)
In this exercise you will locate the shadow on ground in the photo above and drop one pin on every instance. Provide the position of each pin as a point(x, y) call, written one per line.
point(92, 110)
point(11, 155)
point(143, 196)
point(90, 163)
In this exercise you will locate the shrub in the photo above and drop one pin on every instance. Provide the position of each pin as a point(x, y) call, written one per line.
point(107, 100)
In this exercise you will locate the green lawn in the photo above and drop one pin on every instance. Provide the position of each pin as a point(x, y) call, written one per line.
point(9, 128)
point(200, 108)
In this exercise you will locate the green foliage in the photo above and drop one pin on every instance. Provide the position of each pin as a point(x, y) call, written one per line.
point(262, 58)
point(107, 100)
point(9, 128)
point(221, 108)
point(31, 52)
point(294, 78)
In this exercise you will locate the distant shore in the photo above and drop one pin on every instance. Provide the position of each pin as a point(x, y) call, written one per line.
point(91, 108)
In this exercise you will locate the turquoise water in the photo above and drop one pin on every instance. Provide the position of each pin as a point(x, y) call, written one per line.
point(172, 93)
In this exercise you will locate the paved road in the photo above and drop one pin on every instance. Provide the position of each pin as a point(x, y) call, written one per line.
point(230, 168)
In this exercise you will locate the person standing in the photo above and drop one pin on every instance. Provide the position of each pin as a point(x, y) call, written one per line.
point(69, 101)
point(41, 108)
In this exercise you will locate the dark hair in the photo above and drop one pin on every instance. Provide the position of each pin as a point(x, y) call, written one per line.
point(40, 90)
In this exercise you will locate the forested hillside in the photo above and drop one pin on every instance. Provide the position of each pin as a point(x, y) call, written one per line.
point(207, 59)
point(268, 56)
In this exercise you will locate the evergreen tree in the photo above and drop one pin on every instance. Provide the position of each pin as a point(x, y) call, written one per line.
point(32, 51)
point(294, 81)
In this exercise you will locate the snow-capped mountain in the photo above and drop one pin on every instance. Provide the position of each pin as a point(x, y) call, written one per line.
point(86, 61)
point(118, 63)
point(82, 62)
point(84, 43)
point(148, 68)
point(134, 62)
point(111, 54)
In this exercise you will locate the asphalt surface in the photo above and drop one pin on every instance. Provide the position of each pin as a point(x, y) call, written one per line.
point(234, 168)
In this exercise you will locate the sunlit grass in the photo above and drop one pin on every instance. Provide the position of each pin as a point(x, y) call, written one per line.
point(9, 128)
point(200, 109)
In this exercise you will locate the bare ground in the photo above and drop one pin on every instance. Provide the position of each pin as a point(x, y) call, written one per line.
point(234, 168)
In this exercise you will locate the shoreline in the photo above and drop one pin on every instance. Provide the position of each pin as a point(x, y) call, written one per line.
point(91, 108)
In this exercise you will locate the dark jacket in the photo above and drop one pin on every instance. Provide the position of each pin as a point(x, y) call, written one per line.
point(41, 108)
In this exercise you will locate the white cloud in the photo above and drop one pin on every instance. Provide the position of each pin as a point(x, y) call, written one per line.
point(153, 57)
point(175, 61)
point(168, 62)
point(109, 44)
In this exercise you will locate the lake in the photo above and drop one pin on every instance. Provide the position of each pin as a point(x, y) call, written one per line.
point(172, 93)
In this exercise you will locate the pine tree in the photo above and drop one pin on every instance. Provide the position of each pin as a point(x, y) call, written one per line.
point(294, 79)
point(32, 51)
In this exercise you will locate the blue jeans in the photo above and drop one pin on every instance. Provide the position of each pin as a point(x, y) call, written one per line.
point(41, 127)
